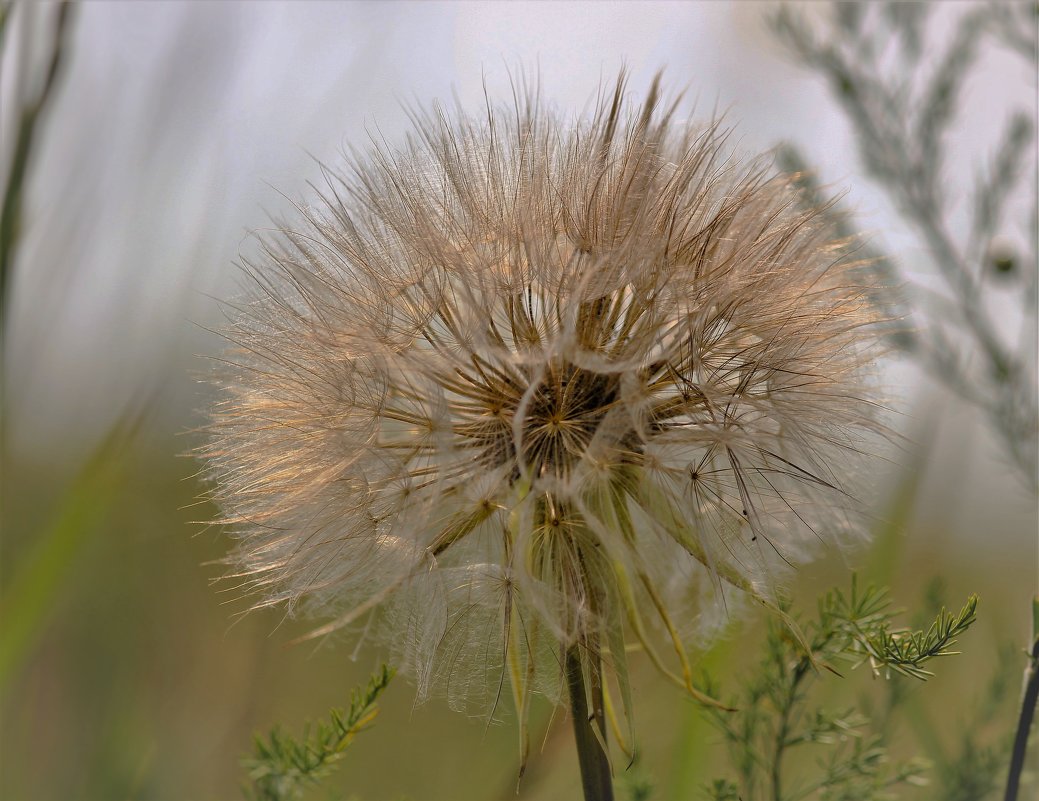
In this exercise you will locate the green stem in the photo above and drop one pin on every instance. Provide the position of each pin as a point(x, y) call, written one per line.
point(783, 731)
point(595, 765)
point(1024, 724)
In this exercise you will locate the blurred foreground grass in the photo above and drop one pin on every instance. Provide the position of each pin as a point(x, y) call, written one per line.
point(137, 679)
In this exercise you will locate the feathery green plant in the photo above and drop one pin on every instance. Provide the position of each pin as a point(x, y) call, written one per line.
point(902, 106)
point(282, 767)
point(776, 717)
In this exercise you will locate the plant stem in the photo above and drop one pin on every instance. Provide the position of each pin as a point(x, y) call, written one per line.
point(783, 731)
point(10, 210)
point(1024, 724)
point(595, 766)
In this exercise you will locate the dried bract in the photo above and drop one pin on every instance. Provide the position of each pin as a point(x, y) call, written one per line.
point(526, 385)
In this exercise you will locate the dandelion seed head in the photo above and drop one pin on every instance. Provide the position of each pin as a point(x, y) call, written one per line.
point(527, 382)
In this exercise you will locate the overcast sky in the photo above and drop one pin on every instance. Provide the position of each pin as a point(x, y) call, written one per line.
point(179, 126)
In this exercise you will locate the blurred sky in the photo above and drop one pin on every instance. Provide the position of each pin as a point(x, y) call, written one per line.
point(180, 126)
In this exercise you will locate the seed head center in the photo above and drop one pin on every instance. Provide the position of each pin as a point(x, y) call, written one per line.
point(557, 421)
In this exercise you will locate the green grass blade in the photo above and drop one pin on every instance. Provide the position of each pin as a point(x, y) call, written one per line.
point(30, 596)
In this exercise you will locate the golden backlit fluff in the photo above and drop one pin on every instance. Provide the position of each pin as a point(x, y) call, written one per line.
point(529, 386)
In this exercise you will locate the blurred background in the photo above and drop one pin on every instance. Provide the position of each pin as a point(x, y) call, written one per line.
point(161, 134)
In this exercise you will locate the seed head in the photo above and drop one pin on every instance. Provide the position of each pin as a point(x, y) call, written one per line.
point(528, 384)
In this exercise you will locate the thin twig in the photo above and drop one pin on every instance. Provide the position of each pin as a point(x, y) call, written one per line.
point(1024, 724)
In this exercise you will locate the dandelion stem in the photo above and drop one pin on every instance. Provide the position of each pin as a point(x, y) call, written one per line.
point(1024, 724)
point(595, 766)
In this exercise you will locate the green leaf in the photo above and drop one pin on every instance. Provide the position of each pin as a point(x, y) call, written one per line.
point(39, 580)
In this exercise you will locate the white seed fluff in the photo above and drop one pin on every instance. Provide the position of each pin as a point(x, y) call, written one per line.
point(527, 384)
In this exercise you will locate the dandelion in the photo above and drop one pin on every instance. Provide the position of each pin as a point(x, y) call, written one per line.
point(527, 391)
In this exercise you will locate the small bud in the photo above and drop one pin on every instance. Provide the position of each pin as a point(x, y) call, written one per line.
point(1002, 260)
